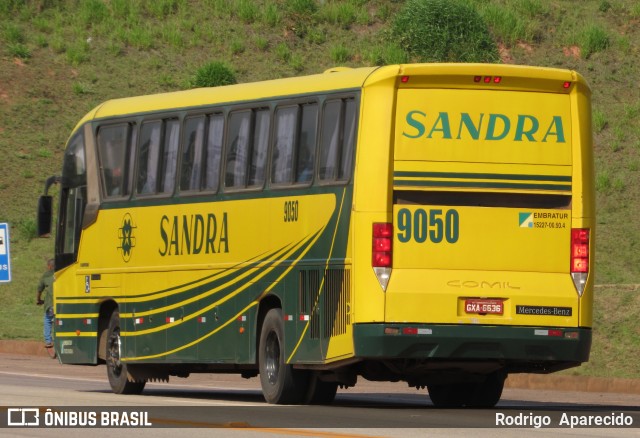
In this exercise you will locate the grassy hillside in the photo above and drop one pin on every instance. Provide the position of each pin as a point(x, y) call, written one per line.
point(58, 59)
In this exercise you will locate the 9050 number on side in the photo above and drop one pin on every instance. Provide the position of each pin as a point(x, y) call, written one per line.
point(291, 211)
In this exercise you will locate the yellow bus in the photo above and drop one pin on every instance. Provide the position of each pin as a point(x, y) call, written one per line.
point(425, 223)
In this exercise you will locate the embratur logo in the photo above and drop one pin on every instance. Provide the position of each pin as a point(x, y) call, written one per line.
point(526, 220)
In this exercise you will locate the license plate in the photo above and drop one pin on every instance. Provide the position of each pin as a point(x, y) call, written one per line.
point(481, 306)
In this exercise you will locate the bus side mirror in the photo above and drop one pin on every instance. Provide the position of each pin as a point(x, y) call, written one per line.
point(45, 207)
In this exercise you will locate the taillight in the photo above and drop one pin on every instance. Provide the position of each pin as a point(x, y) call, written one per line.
point(382, 245)
point(580, 257)
point(382, 252)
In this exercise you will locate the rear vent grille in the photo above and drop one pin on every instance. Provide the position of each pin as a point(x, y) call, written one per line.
point(308, 290)
point(327, 302)
point(337, 300)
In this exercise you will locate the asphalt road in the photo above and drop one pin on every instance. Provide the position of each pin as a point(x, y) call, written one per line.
point(227, 405)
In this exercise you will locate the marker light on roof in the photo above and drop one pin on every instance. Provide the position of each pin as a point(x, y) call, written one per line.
point(487, 79)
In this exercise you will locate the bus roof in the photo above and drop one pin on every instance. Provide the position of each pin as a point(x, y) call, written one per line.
point(334, 79)
point(340, 78)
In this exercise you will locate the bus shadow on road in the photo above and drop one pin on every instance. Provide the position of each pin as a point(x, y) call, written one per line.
point(371, 400)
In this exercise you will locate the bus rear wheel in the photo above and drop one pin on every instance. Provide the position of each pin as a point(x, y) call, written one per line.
point(484, 394)
point(116, 368)
point(281, 384)
point(321, 392)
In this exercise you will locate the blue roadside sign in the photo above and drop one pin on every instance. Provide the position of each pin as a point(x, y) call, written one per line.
point(5, 264)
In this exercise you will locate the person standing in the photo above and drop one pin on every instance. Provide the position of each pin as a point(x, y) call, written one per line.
point(45, 298)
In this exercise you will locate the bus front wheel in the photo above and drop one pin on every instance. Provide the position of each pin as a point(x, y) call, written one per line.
point(281, 384)
point(116, 368)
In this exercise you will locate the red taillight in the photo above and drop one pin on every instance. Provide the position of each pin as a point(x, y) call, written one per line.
point(487, 79)
point(382, 245)
point(566, 84)
point(580, 250)
point(404, 79)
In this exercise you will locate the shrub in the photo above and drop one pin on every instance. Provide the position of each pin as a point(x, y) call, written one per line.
point(93, 11)
point(302, 7)
point(213, 74)
point(592, 39)
point(507, 25)
point(13, 34)
point(443, 31)
point(247, 11)
point(27, 229)
point(19, 50)
point(340, 54)
point(603, 181)
point(599, 120)
point(387, 53)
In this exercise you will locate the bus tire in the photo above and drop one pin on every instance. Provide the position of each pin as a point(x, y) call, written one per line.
point(320, 392)
point(488, 393)
point(484, 394)
point(116, 369)
point(450, 395)
point(281, 384)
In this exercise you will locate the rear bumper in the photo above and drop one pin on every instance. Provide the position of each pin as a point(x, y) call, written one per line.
point(557, 347)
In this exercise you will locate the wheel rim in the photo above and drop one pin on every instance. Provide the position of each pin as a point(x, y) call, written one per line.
point(113, 359)
point(272, 358)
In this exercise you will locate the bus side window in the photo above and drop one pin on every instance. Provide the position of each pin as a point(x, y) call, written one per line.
point(237, 149)
point(306, 152)
point(192, 150)
point(213, 152)
point(112, 152)
point(169, 156)
point(283, 150)
point(330, 140)
point(338, 138)
point(148, 158)
point(260, 147)
point(348, 139)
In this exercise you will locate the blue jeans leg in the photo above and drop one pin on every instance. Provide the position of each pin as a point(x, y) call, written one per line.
point(48, 325)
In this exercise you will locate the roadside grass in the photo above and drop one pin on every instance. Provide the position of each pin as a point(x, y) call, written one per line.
point(21, 317)
point(60, 59)
point(616, 334)
point(514, 21)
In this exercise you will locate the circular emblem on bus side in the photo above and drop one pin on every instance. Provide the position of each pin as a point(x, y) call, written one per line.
point(126, 238)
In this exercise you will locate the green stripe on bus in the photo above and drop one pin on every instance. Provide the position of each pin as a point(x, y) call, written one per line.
point(499, 176)
point(481, 185)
